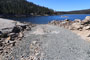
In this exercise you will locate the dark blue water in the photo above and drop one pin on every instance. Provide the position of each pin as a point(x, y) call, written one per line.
point(46, 19)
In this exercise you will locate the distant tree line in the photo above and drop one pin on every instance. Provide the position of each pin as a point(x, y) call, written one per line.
point(22, 7)
point(87, 11)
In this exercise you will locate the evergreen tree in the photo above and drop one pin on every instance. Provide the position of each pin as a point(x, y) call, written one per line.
point(22, 7)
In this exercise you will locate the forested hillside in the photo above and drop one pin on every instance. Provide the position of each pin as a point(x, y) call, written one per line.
point(87, 11)
point(22, 7)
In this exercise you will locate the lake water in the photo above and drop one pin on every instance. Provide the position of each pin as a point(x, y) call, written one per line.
point(46, 19)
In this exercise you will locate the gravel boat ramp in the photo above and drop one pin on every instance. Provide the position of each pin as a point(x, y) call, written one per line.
point(48, 42)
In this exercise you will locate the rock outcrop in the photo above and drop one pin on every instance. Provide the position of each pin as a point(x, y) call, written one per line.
point(86, 21)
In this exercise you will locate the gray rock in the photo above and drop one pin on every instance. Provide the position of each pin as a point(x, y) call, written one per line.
point(5, 30)
point(10, 34)
point(86, 28)
point(86, 20)
point(16, 29)
point(4, 35)
point(77, 21)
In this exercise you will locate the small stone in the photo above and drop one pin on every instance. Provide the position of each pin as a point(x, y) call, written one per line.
point(34, 42)
point(28, 28)
point(32, 47)
point(13, 44)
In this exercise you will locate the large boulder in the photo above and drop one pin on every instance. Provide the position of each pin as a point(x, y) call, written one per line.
point(86, 21)
point(86, 28)
point(77, 21)
point(76, 26)
point(87, 18)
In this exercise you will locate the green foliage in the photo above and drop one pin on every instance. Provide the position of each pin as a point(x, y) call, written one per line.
point(22, 7)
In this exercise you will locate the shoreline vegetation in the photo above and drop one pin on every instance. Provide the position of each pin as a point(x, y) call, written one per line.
point(22, 8)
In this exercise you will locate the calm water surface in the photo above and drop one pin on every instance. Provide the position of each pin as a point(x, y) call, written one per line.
point(46, 19)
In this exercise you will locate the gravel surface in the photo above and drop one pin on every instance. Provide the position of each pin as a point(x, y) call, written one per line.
point(46, 42)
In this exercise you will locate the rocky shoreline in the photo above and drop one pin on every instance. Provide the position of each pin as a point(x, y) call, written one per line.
point(26, 41)
point(80, 27)
point(11, 32)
